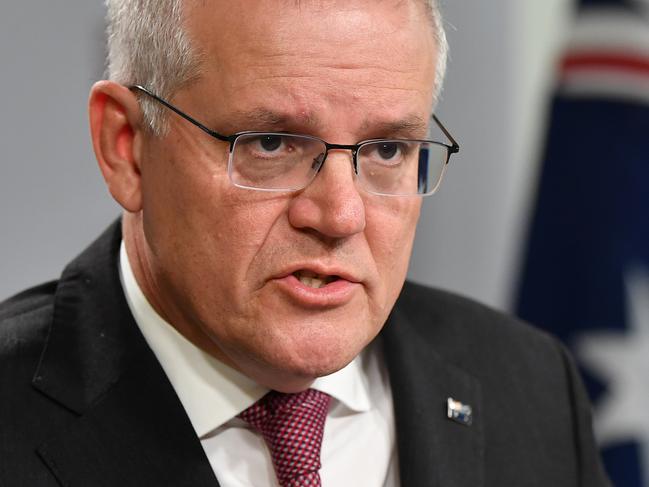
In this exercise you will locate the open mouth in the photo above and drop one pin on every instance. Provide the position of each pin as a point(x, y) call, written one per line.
point(313, 280)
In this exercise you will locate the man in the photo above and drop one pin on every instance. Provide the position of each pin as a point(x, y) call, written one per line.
point(238, 326)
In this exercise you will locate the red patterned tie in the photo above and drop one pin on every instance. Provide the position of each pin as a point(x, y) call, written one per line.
point(292, 425)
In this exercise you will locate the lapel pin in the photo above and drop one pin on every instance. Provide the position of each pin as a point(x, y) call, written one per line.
point(459, 412)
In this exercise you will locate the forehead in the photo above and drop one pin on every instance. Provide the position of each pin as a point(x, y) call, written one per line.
point(305, 57)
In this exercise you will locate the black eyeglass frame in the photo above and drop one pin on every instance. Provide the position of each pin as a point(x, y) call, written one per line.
point(453, 148)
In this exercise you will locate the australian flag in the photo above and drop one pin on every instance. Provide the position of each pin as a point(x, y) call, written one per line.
point(585, 277)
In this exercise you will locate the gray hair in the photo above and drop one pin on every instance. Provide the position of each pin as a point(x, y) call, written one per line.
point(442, 47)
point(148, 45)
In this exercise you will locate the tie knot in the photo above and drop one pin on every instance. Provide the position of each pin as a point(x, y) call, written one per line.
point(292, 426)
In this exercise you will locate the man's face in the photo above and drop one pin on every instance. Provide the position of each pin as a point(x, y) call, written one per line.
point(225, 263)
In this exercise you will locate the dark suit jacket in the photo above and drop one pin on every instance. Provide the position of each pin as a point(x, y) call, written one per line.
point(84, 402)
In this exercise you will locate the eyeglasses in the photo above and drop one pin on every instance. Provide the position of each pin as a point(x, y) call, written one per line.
point(279, 161)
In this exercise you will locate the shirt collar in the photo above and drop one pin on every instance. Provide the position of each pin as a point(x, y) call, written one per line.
point(211, 392)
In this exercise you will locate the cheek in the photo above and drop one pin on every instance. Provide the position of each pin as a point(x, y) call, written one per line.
point(243, 230)
point(181, 182)
point(198, 224)
point(390, 233)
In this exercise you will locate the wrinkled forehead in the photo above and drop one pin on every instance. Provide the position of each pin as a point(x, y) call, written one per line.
point(313, 55)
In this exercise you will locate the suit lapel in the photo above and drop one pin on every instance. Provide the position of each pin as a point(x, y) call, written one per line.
point(129, 426)
point(434, 451)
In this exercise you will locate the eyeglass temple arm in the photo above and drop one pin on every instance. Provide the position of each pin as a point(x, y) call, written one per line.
point(455, 147)
point(178, 112)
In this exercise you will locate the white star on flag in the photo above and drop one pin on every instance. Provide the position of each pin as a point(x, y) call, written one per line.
point(621, 361)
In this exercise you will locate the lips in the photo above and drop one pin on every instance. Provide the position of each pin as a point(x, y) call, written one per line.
point(317, 275)
point(317, 287)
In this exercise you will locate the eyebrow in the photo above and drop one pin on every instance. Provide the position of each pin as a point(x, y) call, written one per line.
point(261, 118)
point(407, 126)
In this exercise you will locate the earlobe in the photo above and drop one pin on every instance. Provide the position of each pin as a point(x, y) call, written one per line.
point(115, 127)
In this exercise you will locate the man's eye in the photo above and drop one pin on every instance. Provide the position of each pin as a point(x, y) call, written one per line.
point(270, 143)
point(387, 150)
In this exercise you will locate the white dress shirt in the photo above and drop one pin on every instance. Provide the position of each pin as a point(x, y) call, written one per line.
point(358, 448)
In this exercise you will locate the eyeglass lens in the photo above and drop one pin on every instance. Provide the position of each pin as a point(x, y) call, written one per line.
point(280, 162)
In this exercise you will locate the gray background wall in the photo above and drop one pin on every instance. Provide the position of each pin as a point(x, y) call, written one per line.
point(53, 201)
point(52, 198)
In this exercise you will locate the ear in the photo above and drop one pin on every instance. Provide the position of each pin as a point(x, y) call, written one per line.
point(116, 130)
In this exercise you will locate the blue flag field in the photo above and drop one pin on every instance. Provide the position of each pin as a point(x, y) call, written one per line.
point(586, 273)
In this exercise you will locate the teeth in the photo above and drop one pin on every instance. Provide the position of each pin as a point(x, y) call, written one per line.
point(313, 280)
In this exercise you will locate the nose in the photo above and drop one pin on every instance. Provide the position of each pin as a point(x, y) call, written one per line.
point(331, 205)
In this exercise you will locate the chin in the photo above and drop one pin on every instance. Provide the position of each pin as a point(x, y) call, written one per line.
point(288, 351)
point(299, 379)
point(301, 365)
